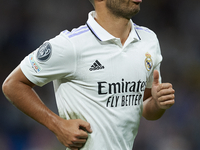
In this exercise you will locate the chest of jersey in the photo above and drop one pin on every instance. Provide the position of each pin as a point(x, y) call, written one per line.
point(112, 64)
point(112, 72)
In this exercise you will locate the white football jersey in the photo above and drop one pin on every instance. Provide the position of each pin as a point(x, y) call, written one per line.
point(99, 80)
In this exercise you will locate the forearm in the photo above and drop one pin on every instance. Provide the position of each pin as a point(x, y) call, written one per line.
point(67, 131)
point(151, 111)
point(25, 99)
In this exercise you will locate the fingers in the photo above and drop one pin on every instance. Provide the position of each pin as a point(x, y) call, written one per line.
point(155, 77)
point(166, 96)
point(165, 91)
point(81, 136)
point(73, 133)
point(166, 104)
point(85, 126)
point(162, 93)
point(77, 143)
point(164, 86)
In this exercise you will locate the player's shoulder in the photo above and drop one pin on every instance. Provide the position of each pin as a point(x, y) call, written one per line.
point(145, 32)
point(67, 38)
point(79, 32)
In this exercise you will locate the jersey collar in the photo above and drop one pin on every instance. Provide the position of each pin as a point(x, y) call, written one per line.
point(102, 34)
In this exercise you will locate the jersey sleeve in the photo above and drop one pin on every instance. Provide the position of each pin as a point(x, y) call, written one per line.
point(54, 59)
point(156, 66)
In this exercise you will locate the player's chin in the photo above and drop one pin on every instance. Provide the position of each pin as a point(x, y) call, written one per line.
point(132, 13)
point(135, 10)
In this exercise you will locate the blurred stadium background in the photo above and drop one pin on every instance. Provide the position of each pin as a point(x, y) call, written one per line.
point(24, 25)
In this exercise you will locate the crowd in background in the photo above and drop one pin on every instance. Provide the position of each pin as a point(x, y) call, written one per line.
point(25, 25)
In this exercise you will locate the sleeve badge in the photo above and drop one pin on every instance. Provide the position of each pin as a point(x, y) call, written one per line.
point(44, 52)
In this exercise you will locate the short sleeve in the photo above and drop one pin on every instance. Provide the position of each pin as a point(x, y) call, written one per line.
point(54, 59)
point(157, 63)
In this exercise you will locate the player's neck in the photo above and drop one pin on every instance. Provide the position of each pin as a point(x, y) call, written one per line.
point(118, 27)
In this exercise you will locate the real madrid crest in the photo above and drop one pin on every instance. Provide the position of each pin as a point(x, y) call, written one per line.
point(148, 62)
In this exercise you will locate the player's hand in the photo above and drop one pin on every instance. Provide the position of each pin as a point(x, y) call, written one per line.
point(162, 93)
point(73, 133)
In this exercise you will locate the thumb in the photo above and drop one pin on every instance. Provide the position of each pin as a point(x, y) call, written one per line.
point(84, 126)
point(156, 77)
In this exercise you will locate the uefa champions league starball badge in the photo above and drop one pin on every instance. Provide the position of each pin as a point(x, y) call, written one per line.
point(148, 62)
point(44, 52)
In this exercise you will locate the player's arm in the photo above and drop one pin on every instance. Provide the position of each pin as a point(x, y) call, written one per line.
point(19, 91)
point(157, 99)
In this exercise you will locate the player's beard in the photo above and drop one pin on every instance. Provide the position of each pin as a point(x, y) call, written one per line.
point(123, 8)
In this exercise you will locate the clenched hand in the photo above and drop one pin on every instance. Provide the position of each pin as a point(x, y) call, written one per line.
point(162, 93)
point(72, 133)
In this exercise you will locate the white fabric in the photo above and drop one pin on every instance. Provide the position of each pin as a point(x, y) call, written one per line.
point(108, 96)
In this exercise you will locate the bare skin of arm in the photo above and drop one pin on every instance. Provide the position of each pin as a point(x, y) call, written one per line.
point(19, 91)
point(157, 99)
